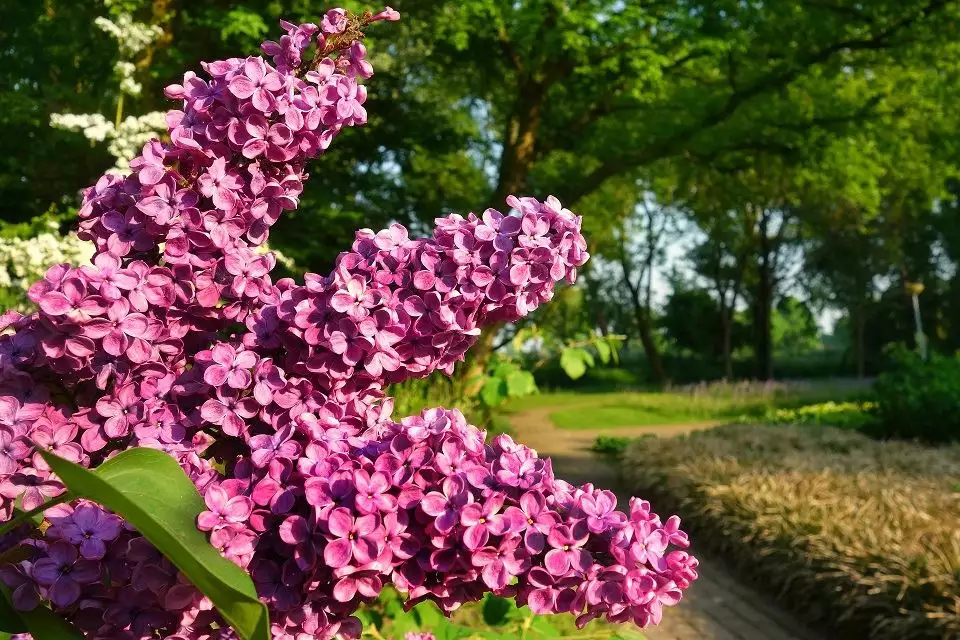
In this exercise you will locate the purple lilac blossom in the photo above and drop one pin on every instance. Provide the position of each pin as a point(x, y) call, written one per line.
point(177, 338)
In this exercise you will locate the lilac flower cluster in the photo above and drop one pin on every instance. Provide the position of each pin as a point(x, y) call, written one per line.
point(271, 397)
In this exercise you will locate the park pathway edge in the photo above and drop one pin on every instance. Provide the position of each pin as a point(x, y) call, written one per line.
point(717, 606)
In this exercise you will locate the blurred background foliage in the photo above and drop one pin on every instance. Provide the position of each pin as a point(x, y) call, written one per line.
point(758, 180)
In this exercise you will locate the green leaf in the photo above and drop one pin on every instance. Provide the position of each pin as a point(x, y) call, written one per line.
point(571, 361)
point(493, 392)
point(41, 623)
point(520, 384)
point(44, 624)
point(603, 350)
point(429, 615)
point(503, 369)
point(626, 633)
point(543, 626)
point(150, 491)
point(614, 343)
point(496, 610)
point(10, 619)
point(587, 358)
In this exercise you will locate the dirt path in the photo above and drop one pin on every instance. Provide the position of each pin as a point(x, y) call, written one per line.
point(717, 606)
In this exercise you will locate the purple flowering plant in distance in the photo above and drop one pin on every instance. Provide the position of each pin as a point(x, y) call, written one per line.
point(271, 394)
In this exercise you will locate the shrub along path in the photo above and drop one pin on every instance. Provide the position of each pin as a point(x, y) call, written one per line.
point(717, 606)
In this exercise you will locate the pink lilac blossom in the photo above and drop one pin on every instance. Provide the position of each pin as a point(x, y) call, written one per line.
point(271, 394)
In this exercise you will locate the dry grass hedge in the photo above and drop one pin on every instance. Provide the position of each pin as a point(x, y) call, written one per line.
point(859, 536)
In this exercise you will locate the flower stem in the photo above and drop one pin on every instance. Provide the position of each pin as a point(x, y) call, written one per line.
point(116, 124)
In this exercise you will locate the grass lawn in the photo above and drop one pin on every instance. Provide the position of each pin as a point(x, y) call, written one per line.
point(637, 410)
point(700, 403)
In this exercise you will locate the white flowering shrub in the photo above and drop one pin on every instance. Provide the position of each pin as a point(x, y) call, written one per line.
point(27, 251)
point(132, 37)
point(125, 136)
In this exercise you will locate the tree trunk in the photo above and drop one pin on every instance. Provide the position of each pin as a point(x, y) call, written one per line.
point(650, 346)
point(726, 330)
point(764, 346)
point(476, 360)
point(763, 306)
point(641, 312)
point(858, 322)
point(519, 150)
point(520, 138)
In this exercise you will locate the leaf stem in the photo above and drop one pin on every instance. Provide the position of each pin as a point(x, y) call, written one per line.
point(66, 496)
point(526, 626)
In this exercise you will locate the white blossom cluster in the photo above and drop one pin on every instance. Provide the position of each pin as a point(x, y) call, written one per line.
point(126, 137)
point(94, 126)
point(133, 37)
point(123, 143)
point(128, 83)
point(23, 261)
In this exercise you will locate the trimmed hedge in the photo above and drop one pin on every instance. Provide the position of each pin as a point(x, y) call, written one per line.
point(860, 537)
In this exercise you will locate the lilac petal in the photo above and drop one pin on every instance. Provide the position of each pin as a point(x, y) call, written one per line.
point(433, 504)
point(93, 548)
point(345, 589)
point(338, 553)
point(85, 572)
point(369, 586)
point(557, 562)
point(239, 379)
point(115, 343)
point(242, 87)
point(64, 592)
point(340, 523)
point(45, 571)
point(207, 520)
point(215, 375)
point(475, 537)
point(534, 541)
point(541, 601)
point(25, 597)
point(54, 303)
point(495, 575)
point(8, 465)
point(471, 514)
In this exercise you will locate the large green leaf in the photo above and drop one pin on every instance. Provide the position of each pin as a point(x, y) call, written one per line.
point(521, 383)
point(572, 362)
point(150, 491)
point(494, 392)
point(10, 619)
point(496, 610)
point(603, 350)
point(41, 622)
